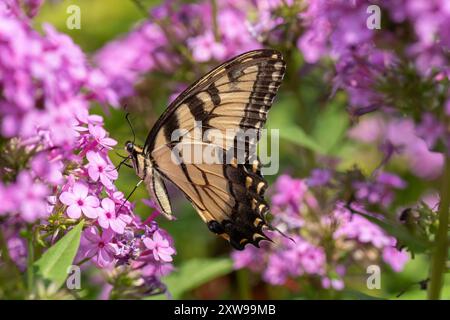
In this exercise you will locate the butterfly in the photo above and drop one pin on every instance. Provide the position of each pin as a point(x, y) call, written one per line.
point(228, 194)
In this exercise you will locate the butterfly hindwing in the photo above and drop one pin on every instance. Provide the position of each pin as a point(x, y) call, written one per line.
point(236, 96)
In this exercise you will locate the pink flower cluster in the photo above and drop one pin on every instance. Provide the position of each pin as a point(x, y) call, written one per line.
point(308, 253)
point(430, 21)
point(401, 137)
point(155, 44)
point(364, 56)
point(55, 156)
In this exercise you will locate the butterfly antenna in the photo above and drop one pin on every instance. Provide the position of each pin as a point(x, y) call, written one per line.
point(131, 126)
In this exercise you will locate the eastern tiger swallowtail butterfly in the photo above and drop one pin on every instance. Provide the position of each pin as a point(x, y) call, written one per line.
point(228, 196)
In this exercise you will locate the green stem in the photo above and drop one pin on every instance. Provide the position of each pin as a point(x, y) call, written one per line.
point(214, 17)
point(84, 261)
point(30, 261)
point(440, 248)
point(244, 285)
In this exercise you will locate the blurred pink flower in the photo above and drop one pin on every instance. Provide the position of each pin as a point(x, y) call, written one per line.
point(290, 192)
point(368, 130)
point(30, 197)
point(381, 190)
point(353, 226)
point(336, 284)
point(447, 107)
point(250, 257)
point(47, 169)
point(423, 162)
point(17, 249)
point(402, 135)
point(430, 129)
point(395, 258)
point(204, 47)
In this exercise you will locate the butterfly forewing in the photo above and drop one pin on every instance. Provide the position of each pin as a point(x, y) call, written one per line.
point(233, 98)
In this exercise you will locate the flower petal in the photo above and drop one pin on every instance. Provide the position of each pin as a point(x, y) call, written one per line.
point(149, 243)
point(108, 205)
point(105, 181)
point(117, 225)
point(93, 172)
point(165, 257)
point(104, 258)
point(89, 212)
point(80, 190)
point(67, 198)
point(74, 211)
point(91, 201)
point(91, 234)
point(103, 221)
point(109, 142)
point(125, 218)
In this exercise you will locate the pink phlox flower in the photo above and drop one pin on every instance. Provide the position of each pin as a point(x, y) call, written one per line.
point(290, 192)
point(99, 135)
point(47, 169)
point(154, 268)
point(61, 124)
point(276, 271)
point(100, 88)
point(99, 247)
point(303, 257)
point(99, 169)
point(360, 229)
point(251, 257)
point(30, 196)
point(391, 180)
point(160, 247)
point(119, 199)
point(17, 248)
point(430, 129)
point(107, 217)
point(395, 258)
point(204, 47)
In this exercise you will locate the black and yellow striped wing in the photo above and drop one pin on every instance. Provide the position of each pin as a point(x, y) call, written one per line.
point(236, 96)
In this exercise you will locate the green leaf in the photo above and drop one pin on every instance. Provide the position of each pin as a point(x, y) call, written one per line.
point(296, 135)
point(53, 264)
point(331, 127)
point(194, 273)
point(418, 245)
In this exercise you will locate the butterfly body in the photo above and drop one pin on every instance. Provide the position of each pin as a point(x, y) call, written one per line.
point(229, 107)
